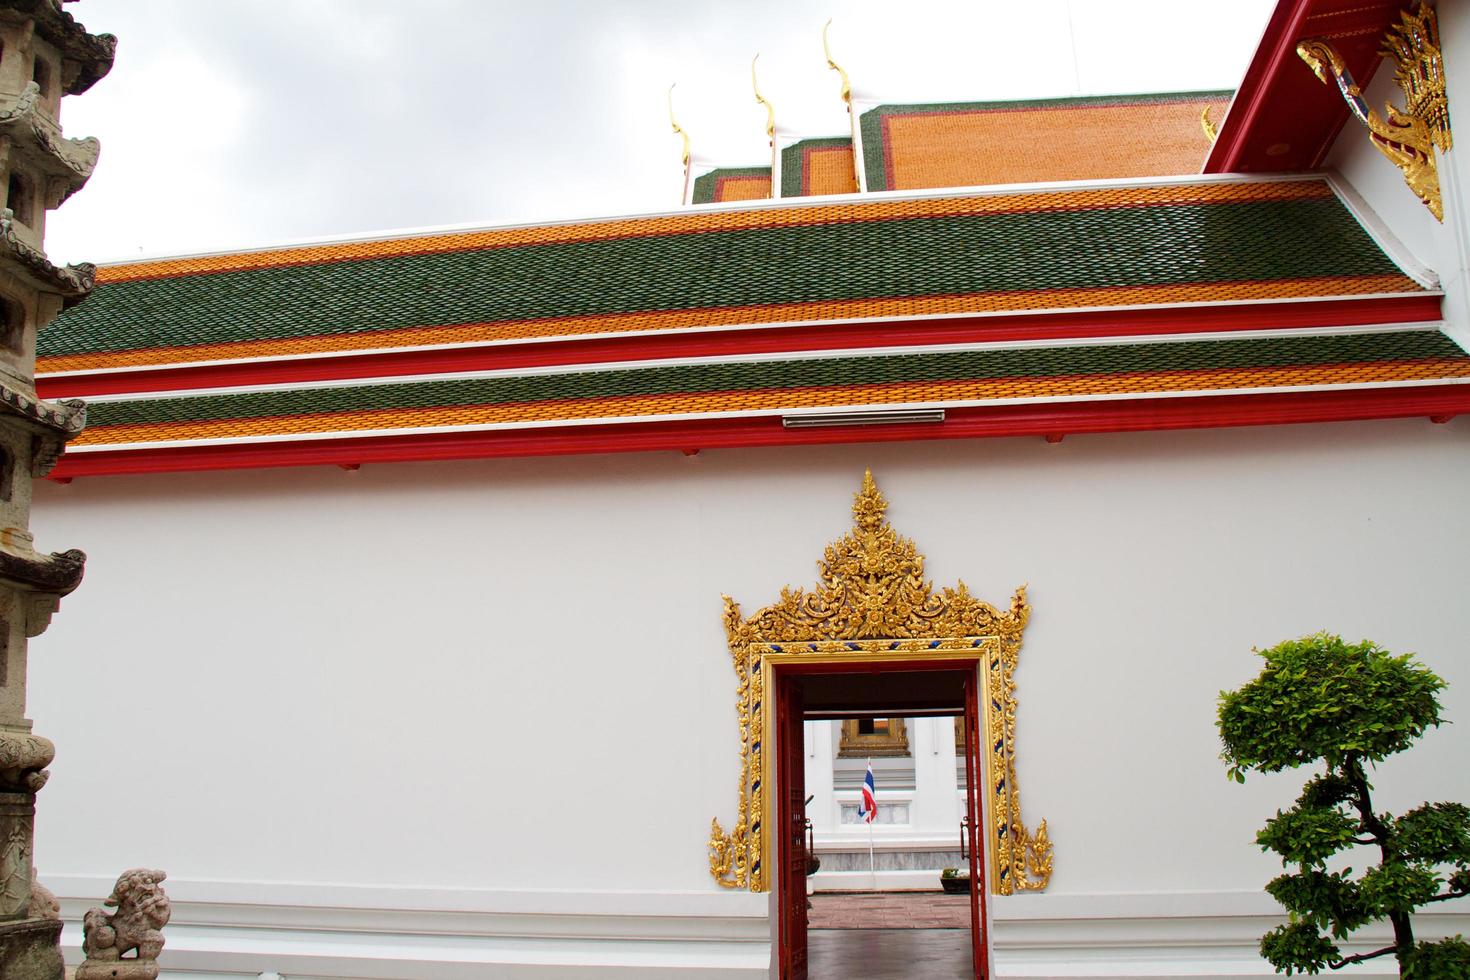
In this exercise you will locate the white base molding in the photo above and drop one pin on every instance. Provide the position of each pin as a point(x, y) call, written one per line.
point(351, 932)
point(345, 932)
point(1169, 934)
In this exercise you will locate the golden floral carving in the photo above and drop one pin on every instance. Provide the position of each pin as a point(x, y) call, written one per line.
point(871, 598)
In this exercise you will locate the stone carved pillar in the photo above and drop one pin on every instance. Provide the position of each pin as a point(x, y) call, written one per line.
point(44, 54)
point(28, 942)
point(17, 830)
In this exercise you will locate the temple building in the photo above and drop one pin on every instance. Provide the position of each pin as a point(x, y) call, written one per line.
point(531, 601)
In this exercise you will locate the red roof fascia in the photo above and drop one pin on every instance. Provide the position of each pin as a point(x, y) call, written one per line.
point(1282, 118)
point(1436, 402)
point(1079, 324)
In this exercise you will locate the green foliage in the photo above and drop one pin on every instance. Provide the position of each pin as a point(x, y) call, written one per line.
point(1435, 833)
point(1320, 700)
point(1394, 886)
point(1298, 948)
point(1308, 834)
point(1330, 901)
point(1448, 959)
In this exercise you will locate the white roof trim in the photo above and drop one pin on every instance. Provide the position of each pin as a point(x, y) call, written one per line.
point(1381, 234)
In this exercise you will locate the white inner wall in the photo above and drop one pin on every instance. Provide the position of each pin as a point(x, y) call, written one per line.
point(512, 674)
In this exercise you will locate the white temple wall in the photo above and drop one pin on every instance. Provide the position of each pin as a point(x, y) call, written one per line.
point(485, 708)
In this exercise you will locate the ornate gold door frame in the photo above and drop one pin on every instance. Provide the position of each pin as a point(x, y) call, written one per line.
point(872, 605)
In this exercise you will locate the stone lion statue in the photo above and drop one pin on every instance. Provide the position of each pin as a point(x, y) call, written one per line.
point(142, 910)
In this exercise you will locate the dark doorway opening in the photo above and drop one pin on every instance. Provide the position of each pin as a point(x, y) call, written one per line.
point(905, 688)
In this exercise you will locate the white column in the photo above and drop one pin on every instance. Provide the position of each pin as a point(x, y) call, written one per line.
point(820, 751)
point(936, 796)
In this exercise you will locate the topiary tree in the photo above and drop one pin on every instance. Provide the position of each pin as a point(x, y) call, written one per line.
point(1319, 699)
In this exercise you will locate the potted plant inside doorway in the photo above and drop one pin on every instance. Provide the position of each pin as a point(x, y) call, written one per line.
point(953, 882)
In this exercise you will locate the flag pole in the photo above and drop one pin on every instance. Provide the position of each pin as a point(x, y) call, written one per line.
point(872, 863)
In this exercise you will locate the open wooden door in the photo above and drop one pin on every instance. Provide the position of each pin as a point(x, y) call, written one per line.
point(791, 828)
point(979, 892)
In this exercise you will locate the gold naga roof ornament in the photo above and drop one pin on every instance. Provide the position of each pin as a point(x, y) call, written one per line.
point(770, 122)
point(679, 132)
point(846, 82)
point(1208, 125)
point(872, 604)
point(762, 100)
point(846, 93)
point(1406, 137)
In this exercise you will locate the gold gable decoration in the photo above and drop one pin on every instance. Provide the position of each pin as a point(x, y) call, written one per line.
point(1406, 137)
point(872, 598)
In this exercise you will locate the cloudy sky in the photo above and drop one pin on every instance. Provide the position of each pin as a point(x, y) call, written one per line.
point(236, 123)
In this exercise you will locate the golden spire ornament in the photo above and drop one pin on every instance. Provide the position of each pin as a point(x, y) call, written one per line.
point(770, 121)
point(846, 93)
point(679, 132)
point(846, 83)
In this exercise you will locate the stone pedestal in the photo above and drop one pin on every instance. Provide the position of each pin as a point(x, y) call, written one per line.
point(30, 950)
point(116, 970)
point(29, 947)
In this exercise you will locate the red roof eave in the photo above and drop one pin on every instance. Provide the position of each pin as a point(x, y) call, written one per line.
point(1053, 421)
point(1282, 118)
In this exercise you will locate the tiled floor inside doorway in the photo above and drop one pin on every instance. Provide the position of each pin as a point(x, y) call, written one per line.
point(889, 910)
point(889, 954)
point(889, 936)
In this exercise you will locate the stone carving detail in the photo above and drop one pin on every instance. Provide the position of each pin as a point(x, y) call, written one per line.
point(43, 903)
point(142, 910)
point(15, 870)
point(79, 156)
point(23, 756)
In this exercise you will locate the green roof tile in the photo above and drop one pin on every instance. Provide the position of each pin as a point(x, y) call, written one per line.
point(899, 257)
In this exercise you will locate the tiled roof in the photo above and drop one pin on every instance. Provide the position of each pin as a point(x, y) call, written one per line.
point(969, 144)
point(788, 385)
point(1015, 311)
point(861, 260)
point(732, 184)
point(818, 166)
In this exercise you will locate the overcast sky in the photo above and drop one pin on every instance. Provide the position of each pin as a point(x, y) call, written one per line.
point(236, 123)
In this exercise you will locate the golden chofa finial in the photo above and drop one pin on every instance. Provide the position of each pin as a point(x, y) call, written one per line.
point(827, 50)
point(1208, 125)
point(770, 111)
point(678, 130)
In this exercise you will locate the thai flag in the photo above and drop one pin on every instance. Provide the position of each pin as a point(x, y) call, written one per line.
point(868, 808)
